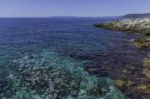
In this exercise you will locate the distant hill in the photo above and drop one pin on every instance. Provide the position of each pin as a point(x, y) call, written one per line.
point(136, 15)
point(64, 17)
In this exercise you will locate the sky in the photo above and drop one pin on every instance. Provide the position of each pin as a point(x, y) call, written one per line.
point(83, 8)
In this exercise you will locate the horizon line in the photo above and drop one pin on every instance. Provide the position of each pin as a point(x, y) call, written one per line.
point(58, 16)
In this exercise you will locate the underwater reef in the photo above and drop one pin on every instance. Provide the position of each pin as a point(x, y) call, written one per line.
point(49, 76)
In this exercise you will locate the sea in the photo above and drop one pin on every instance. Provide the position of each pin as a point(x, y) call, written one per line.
point(30, 43)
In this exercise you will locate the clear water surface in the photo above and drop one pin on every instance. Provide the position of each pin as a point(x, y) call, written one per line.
point(63, 42)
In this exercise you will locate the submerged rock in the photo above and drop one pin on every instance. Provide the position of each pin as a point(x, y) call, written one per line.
point(144, 89)
point(146, 70)
point(143, 43)
point(124, 83)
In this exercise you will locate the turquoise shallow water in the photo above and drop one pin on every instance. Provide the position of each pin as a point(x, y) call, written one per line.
point(41, 58)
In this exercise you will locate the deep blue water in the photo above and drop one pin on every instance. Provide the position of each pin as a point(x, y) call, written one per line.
point(23, 35)
point(67, 36)
point(71, 38)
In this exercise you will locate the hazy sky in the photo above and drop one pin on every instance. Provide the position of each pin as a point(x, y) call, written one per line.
point(45, 8)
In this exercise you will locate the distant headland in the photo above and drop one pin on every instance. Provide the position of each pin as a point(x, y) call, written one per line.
point(136, 15)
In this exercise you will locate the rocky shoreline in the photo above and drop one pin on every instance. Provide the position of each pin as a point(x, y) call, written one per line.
point(142, 27)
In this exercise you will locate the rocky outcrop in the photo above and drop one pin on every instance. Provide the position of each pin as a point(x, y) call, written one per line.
point(130, 25)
